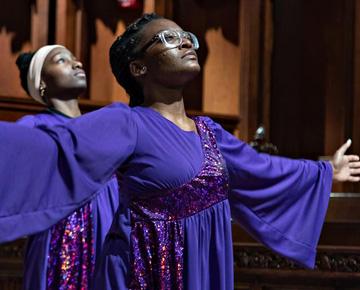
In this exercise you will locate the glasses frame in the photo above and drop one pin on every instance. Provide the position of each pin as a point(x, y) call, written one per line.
point(160, 36)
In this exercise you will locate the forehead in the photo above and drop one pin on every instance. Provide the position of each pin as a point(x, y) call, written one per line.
point(156, 26)
point(56, 51)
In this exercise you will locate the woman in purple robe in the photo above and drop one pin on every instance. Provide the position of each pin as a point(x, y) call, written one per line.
point(182, 178)
point(63, 256)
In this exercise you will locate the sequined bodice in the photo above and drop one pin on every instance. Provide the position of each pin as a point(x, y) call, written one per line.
point(157, 237)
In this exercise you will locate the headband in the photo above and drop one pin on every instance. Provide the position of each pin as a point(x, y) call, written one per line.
point(34, 73)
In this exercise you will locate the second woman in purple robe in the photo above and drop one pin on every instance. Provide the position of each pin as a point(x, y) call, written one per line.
point(64, 256)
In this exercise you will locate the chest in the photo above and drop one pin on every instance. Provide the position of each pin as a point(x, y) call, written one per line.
point(165, 157)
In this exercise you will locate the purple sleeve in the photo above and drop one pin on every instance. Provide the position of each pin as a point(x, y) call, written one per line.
point(72, 162)
point(281, 202)
point(28, 121)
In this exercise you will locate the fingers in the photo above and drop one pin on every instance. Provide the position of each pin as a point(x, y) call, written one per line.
point(344, 147)
point(354, 164)
point(354, 171)
point(353, 179)
point(352, 158)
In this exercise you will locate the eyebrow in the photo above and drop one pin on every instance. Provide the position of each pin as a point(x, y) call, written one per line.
point(63, 53)
point(169, 29)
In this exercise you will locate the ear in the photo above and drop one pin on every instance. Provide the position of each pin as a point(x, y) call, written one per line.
point(137, 68)
point(42, 85)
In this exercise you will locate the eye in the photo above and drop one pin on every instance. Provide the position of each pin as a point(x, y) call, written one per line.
point(170, 36)
point(187, 36)
point(60, 60)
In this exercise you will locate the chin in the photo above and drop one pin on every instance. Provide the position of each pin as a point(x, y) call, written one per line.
point(192, 72)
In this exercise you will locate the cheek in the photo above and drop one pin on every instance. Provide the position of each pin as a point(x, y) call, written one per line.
point(169, 61)
point(61, 78)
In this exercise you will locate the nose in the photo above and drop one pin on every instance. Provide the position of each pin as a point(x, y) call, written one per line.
point(77, 64)
point(186, 43)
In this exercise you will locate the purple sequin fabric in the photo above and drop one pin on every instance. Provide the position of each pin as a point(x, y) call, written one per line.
point(71, 253)
point(157, 236)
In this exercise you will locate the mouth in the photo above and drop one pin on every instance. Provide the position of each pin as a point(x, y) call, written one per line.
point(191, 54)
point(80, 73)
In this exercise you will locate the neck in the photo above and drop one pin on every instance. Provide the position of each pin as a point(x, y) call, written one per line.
point(175, 110)
point(168, 102)
point(67, 107)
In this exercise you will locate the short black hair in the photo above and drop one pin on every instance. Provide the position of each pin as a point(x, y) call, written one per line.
point(123, 51)
point(23, 64)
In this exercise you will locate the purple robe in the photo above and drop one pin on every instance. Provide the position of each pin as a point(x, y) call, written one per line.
point(43, 257)
point(279, 201)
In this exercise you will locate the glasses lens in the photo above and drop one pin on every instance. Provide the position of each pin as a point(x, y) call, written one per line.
point(190, 37)
point(193, 40)
point(171, 38)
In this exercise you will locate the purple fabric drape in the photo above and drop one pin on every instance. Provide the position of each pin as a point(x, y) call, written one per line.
point(281, 202)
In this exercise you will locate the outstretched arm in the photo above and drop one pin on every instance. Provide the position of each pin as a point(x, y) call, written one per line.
point(281, 202)
point(71, 162)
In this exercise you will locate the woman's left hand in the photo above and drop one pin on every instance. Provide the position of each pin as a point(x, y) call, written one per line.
point(345, 167)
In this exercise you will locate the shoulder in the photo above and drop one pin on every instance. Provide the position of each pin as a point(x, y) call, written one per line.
point(116, 117)
point(117, 105)
point(223, 137)
point(114, 111)
point(42, 119)
point(114, 108)
point(33, 120)
point(215, 127)
point(28, 121)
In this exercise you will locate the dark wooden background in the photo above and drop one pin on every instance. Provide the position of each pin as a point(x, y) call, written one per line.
point(291, 65)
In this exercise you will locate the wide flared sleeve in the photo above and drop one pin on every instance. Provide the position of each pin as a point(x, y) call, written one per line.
point(72, 162)
point(281, 202)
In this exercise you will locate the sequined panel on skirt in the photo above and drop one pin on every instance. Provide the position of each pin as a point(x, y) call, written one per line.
point(157, 236)
point(71, 253)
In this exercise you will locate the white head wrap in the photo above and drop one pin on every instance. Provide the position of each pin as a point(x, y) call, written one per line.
point(34, 73)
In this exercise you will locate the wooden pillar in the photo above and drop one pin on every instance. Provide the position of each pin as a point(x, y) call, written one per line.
point(70, 27)
point(266, 50)
point(164, 8)
point(339, 86)
point(250, 28)
point(356, 87)
point(39, 23)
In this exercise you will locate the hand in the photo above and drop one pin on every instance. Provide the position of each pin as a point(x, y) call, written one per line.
point(345, 167)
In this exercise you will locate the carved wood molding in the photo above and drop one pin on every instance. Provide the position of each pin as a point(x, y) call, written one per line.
point(11, 264)
point(330, 259)
point(13, 250)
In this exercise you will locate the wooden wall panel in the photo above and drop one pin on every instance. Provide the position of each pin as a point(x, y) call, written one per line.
point(217, 87)
point(250, 29)
point(100, 67)
point(311, 102)
point(24, 32)
point(338, 85)
point(105, 21)
point(235, 55)
point(70, 27)
point(314, 97)
point(221, 94)
point(355, 131)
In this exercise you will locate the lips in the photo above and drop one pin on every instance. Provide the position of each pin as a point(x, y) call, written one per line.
point(190, 54)
point(80, 73)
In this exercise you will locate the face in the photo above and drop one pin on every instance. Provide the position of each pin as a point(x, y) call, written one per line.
point(173, 66)
point(62, 75)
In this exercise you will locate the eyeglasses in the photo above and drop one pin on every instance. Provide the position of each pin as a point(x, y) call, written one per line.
point(172, 39)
